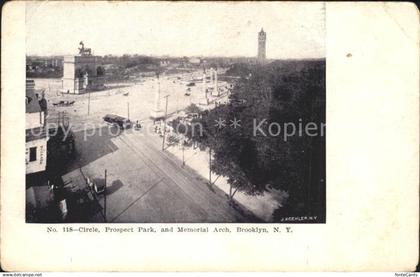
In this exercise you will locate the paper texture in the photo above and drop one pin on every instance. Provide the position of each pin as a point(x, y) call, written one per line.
point(372, 158)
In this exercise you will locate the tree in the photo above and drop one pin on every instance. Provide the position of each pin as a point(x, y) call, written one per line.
point(100, 71)
point(280, 92)
point(193, 108)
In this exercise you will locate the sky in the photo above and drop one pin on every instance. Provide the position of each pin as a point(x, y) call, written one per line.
point(294, 30)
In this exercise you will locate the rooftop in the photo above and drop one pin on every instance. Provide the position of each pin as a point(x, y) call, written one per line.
point(32, 104)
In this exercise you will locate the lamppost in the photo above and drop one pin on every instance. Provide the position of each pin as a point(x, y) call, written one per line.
point(164, 122)
point(183, 149)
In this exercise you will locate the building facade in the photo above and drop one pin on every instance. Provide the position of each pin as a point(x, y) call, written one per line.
point(80, 74)
point(262, 38)
point(36, 134)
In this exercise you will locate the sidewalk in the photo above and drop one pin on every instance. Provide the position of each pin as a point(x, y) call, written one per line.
point(261, 205)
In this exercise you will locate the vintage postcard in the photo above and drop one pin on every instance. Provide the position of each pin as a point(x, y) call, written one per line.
point(204, 134)
point(216, 122)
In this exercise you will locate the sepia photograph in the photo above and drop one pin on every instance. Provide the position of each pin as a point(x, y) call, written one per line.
point(151, 113)
point(202, 136)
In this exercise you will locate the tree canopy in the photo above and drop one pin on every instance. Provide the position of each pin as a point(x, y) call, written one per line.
point(280, 92)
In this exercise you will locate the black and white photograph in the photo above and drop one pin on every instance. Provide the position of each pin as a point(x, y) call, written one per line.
point(150, 113)
point(209, 136)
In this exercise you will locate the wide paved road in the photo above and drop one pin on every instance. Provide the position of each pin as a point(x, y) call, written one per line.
point(146, 184)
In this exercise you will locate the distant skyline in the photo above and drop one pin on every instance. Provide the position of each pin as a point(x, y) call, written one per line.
point(220, 29)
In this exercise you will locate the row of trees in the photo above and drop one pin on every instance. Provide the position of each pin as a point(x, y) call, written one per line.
point(280, 92)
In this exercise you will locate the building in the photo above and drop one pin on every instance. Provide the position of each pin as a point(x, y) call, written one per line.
point(30, 85)
point(36, 134)
point(82, 72)
point(195, 60)
point(262, 38)
point(164, 62)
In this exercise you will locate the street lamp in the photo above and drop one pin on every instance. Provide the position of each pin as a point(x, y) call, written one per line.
point(183, 149)
point(164, 122)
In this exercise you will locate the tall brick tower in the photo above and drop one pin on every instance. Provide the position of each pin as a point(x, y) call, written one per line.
point(262, 37)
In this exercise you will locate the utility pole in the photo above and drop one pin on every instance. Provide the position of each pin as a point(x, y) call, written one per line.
point(164, 122)
point(105, 198)
point(210, 166)
point(88, 102)
point(183, 149)
point(176, 94)
point(128, 110)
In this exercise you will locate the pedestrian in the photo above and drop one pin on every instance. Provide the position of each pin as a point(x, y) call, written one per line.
point(89, 183)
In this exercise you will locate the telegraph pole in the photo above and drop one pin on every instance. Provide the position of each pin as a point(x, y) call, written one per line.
point(183, 149)
point(88, 102)
point(164, 122)
point(128, 110)
point(210, 166)
point(177, 98)
point(105, 198)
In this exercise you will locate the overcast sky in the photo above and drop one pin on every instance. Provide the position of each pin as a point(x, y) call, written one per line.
point(294, 30)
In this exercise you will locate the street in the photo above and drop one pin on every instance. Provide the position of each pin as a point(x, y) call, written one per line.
point(90, 108)
point(146, 184)
point(140, 176)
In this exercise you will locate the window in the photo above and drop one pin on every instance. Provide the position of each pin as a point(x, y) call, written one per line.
point(32, 154)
